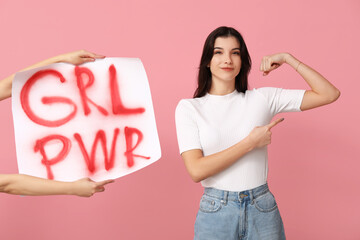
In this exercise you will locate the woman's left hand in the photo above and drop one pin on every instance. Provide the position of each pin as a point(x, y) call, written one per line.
point(272, 62)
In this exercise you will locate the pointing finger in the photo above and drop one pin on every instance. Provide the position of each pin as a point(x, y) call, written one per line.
point(274, 123)
point(99, 184)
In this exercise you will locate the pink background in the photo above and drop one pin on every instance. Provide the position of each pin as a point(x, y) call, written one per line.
point(314, 157)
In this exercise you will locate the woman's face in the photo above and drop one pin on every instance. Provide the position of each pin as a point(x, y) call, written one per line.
point(225, 64)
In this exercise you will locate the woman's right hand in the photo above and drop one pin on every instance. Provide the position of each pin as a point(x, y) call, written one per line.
point(79, 57)
point(261, 136)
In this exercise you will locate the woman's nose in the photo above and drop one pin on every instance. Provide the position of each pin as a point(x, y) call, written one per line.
point(227, 59)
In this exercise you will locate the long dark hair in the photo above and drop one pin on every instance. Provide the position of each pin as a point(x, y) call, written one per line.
point(204, 77)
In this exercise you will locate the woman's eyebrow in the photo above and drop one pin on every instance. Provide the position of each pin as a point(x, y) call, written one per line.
point(223, 49)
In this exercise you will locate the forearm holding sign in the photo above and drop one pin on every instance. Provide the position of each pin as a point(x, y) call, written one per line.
point(77, 57)
point(21, 184)
point(28, 185)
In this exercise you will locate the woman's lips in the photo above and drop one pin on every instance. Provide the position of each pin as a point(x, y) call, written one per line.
point(227, 69)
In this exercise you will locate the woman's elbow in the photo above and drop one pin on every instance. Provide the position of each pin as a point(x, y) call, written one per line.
point(338, 93)
point(195, 175)
point(334, 95)
point(196, 179)
point(194, 167)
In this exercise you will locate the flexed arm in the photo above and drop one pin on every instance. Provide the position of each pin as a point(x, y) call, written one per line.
point(322, 91)
point(77, 57)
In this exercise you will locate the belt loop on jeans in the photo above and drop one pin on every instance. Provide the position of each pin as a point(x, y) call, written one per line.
point(251, 197)
point(225, 197)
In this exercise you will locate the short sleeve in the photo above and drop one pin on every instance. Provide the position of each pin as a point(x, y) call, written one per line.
point(282, 100)
point(186, 127)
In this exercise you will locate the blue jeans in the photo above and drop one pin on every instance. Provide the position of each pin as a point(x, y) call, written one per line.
point(250, 215)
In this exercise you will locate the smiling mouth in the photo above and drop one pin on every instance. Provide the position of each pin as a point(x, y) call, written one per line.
point(227, 69)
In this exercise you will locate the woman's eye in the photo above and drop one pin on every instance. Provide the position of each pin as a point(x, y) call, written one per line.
point(236, 53)
point(217, 52)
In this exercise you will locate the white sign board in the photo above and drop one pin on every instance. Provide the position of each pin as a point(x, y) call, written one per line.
point(92, 120)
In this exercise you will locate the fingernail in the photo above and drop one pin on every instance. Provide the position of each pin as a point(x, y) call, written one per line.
point(282, 119)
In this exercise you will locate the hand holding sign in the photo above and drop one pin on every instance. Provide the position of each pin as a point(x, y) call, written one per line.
point(86, 187)
point(79, 57)
point(95, 120)
point(261, 136)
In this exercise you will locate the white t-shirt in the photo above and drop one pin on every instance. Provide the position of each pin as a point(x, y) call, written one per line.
point(213, 123)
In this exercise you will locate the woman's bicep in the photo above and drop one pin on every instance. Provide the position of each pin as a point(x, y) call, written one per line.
point(313, 100)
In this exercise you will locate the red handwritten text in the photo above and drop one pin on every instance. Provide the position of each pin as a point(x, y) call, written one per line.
point(84, 98)
point(24, 99)
point(89, 156)
point(100, 136)
point(117, 106)
point(129, 132)
point(40, 146)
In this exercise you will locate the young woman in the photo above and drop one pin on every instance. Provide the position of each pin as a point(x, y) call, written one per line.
point(223, 133)
point(27, 185)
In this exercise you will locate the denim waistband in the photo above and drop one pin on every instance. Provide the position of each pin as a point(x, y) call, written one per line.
point(225, 196)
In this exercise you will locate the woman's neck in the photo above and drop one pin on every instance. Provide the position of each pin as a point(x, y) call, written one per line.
point(222, 88)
